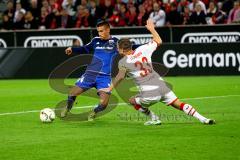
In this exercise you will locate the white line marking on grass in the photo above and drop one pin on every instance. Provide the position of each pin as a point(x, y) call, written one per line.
point(22, 112)
point(210, 97)
point(76, 107)
point(119, 104)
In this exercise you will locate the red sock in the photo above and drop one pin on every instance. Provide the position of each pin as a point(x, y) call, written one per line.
point(181, 106)
point(137, 106)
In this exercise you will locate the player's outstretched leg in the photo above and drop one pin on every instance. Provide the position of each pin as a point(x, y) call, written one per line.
point(74, 92)
point(154, 118)
point(104, 99)
point(189, 110)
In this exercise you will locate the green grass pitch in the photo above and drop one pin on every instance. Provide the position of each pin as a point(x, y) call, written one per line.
point(120, 134)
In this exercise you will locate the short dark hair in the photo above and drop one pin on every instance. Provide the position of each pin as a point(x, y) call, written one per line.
point(102, 23)
point(125, 44)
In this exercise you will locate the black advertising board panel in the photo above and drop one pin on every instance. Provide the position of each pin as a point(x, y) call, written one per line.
point(6, 39)
point(52, 38)
point(206, 34)
point(199, 59)
point(168, 60)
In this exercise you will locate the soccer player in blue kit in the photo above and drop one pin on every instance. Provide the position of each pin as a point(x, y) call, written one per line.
point(98, 72)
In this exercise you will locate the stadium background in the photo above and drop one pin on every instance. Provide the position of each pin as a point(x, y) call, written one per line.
point(203, 64)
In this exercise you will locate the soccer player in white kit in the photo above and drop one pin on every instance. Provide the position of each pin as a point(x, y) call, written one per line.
point(137, 64)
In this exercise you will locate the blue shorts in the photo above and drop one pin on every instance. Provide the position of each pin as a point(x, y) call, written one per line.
point(87, 81)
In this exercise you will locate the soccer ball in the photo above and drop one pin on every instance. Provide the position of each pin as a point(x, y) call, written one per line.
point(47, 115)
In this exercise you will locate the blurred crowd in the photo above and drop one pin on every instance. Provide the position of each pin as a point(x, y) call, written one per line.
point(53, 14)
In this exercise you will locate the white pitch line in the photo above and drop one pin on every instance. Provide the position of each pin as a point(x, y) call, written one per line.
point(22, 112)
point(34, 111)
point(119, 104)
point(210, 97)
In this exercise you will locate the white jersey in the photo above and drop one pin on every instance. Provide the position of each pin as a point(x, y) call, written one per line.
point(151, 86)
point(139, 64)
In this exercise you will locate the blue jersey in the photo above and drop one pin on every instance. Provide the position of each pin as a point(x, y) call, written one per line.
point(104, 52)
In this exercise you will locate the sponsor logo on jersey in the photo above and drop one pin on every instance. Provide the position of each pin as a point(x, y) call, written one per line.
point(51, 41)
point(136, 38)
point(3, 43)
point(171, 59)
point(136, 55)
point(211, 37)
point(105, 47)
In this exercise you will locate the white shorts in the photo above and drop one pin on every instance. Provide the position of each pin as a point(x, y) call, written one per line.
point(167, 98)
point(153, 90)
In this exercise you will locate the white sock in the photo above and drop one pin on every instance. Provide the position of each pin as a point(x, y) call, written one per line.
point(189, 110)
point(149, 113)
point(153, 116)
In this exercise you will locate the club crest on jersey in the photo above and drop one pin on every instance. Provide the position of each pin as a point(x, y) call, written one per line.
point(111, 41)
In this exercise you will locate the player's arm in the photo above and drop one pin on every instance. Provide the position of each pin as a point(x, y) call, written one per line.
point(83, 49)
point(120, 76)
point(150, 26)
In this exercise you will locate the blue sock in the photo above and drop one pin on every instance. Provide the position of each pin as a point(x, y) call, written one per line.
point(99, 108)
point(70, 102)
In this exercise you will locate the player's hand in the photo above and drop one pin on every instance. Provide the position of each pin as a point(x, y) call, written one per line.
point(110, 88)
point(150, 25)
point(68, 51)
